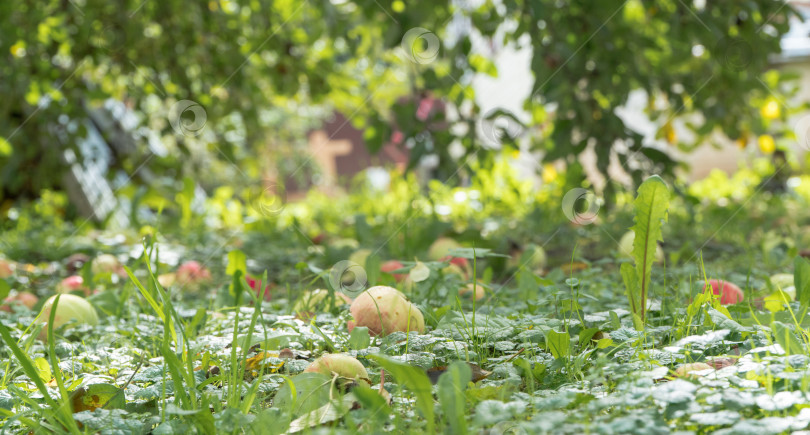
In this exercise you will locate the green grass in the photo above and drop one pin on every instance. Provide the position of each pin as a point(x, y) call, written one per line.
point(557, 352)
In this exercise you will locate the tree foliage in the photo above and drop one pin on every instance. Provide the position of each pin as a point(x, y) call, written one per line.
point(256, 68)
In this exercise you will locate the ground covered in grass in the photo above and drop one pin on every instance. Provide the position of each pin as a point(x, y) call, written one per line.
point(208, 320)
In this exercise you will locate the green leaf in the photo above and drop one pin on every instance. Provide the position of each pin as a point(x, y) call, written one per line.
point(416, 380)
point(420, 272)
point(371, 400)
point(5, 288)
point(305, 393)
point(722, 321)
point(785, 337)
point(237, 261)
point(801, 280)
point(631, 287)
point(651, 212)
point(452, 384)
point(558, 343)
point(94, 396)
point(359, 338)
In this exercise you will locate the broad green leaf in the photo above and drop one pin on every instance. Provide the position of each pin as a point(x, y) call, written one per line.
point(776, 301)
point(308, 392)
point(723, 320)
point(631, 287)
point(371, 400)
point(43, 369)
point(420, 272)
point(359, 338)
point(331, 411)
point(785, 337)
point(95, 396)
point(5, 288)
point(801, 280)
point(237, 261)
point(651, 212)
point(452, 384)
point(558, 343)
point(416, 380)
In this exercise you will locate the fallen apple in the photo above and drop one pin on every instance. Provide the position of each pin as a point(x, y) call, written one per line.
point(314, 300)
point(729, 293)
point(467, 291)
point(105, 264)
point(71, 284)
point(360, 256)
point(457, 266)
point(6, 268)
point(166, 280)
point(533, 258)
point(626, 247)
point(24, 299)
point(384, 310)
point(392, 265)
point(441, 247)
point(192, 274)
point(685, 370)
point(256, 285)
point(70, 308)
point(344, 366)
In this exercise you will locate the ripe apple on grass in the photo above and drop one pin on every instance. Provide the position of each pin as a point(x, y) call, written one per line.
point(314, 300)
point(344, 366)
point(256, 285)
point(729, 293)
point(458, 266)
point(392, 265)
point(384, 310)
point(106, 264)
point(441, 248)
point(685, 370)
point(467, 291)
point(71, 284)
point(70, 308)
point(192, 274)
point(360, 256)
point(24, 299)
point(6, 268)
point(533, 258)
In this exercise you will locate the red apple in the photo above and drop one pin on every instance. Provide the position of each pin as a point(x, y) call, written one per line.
point(71, 284)
point(345, 366)
point(6, 268)
point(458, 265)
point(25, 299)
point(384, 310)
point(192, 273)
point(470, 289)
point(729, 293)
point(685, 370)
point(392, 265)
point(256, 285)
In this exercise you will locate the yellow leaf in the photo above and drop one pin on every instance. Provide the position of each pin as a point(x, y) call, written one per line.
point(776, 301)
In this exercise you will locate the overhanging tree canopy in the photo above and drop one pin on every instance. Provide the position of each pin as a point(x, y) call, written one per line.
point(238, 61)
